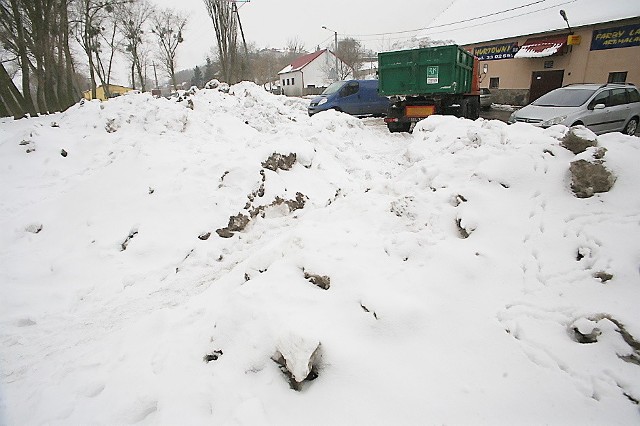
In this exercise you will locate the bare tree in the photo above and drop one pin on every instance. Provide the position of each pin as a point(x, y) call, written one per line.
point(224, 20)
point(351, 54)
point(12, 33)
point(133, 18)
point(168, 25)
point(209, 70)
point(36, 34)
point(265, 66)
point(92, 18)
point(343, 72)
point(295, 46)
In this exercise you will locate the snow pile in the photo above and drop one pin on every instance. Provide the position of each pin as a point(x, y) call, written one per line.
point(419, 42)
point(448, 276)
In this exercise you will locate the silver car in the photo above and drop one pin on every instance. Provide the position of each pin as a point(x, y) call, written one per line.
point(485, 98)
point(600, 107)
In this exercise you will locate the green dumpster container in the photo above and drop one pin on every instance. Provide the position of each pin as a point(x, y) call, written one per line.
point(425, 71)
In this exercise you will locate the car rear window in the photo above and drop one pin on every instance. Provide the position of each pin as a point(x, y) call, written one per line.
point(564, 97)
point(634, 96)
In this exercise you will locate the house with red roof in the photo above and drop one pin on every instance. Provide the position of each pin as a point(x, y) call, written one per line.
point(309, 73)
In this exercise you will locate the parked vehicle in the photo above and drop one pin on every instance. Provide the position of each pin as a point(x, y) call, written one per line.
point(600, 107)
point(485, 98)
point(426, 81)
point(355, 97)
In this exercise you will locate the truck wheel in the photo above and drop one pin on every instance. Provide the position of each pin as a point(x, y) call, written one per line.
point(398, 127)
point(473, 108)
point(470, 108)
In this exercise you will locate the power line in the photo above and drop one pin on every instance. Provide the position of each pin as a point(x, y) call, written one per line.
point(450, 23)
point(505, 19)
point(467, 26)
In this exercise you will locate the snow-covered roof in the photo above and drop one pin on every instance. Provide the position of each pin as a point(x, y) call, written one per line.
point(470, 21)
point(302, 61)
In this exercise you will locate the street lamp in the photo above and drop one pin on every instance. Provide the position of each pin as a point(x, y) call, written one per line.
point(564, 16)
point(335, 47)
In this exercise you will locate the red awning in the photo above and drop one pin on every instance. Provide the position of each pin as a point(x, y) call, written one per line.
point(542, 46)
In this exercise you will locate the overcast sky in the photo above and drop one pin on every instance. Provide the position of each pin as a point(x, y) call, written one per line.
point(271, 23)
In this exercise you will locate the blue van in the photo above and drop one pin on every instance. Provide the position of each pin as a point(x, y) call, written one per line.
point(355, 97)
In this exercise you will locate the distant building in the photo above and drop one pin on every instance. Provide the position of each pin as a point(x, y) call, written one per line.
point(369, 68)
point(310, 74)
point(114, 90)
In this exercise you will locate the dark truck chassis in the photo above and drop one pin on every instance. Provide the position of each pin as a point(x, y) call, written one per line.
point(405, 110)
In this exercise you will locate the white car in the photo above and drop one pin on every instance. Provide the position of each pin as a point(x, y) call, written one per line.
point(600, 107)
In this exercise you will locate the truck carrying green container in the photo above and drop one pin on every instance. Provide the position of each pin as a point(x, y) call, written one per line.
point(425, 81)
point(441, 69)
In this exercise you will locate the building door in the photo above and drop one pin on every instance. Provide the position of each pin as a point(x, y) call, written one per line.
point(543, 82)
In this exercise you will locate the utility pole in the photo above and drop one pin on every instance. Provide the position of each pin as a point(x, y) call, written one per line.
point(335, 51)
point(335, 47)
point(234, 9)
point(155, 74)
point(244, 63)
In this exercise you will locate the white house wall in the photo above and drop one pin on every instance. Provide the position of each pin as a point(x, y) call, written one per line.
point(286, 80)
point(317, 73)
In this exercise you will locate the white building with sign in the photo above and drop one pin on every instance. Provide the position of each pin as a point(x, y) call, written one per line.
point(528, 50)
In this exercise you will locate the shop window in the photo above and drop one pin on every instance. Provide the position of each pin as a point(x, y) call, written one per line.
point(617, 77)
point(494, 82)
point(293, 80)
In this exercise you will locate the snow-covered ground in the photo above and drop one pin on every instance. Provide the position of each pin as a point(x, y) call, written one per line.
point(454, 264)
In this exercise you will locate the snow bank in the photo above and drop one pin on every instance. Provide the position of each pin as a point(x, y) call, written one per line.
point(463, 272)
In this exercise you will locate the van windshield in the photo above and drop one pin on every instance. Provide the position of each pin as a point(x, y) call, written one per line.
point(564, 98)
point(333, 88)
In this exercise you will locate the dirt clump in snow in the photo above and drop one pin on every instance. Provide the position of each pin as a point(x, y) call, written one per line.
point(34, 228)
point(236, 223)
point(603, 276)
point(240, 221)
point(322, 281)
point(298, 359)
point(578, 139)
point(278, 161)
point(590, 177)
point(224, 233)
point(125, 243)
point(587, 330)
point(292, 204)
point(204, 236)
point(213, 356)
point(463, 231)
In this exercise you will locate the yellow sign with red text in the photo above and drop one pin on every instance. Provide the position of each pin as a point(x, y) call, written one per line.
point(574, 40)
